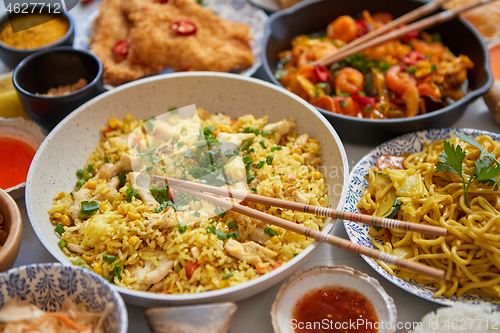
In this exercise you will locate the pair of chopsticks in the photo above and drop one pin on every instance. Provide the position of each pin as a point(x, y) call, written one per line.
point(376, 37)
point(194, 188)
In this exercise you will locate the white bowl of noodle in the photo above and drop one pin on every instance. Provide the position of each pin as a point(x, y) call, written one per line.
point(464, 291)
point(69, 145)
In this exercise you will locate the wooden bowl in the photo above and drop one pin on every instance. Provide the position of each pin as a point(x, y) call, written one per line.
point(12, 222)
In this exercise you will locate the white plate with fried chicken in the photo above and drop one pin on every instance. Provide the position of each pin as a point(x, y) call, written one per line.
point(139, 38)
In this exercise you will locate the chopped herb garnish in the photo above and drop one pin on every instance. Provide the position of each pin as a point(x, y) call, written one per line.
point(362, 93)
point(276, 148)
point(268, 133)
point(433, 68)
point(89, 208)
point(122, 176)
point(253, 130)
point(81, 263)
point(250, 178)
point(246, 144)
point(279, 74)
point(131, 193)
point(229, 153)
point(106, 160)
point(62, 243)
point(247, 160)
point(219, 212)
point(182, 226)
point(262, 144)
point(220, 234)
point(118, 270)
point(260, 164)
point(269, 159)
point(232, 225)
point(253, 189)
point(251, 150)
point(322, 85)
point(108, 258)
point(188, 153)
point(228, 276)
point(90, 167)
point(343, 104)
point(486, 167)
point(384, 67)
point(80, 172)
point(197, 214)
point(412, 69)
point(270, 231)
point(180, 143)
point(59, 229)
point(149, 168)
point(178, 163)
point(211, 229)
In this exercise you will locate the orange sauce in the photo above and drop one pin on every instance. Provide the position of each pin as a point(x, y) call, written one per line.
point(15, 160)
point(335, 309)
point(495, 61)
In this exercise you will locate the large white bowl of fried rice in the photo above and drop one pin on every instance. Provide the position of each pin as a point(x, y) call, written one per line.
point(156, 256)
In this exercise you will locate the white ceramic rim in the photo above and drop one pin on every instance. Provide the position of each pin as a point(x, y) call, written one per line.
point(205, 296)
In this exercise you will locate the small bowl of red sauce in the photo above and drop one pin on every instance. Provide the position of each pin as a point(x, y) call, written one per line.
point(19, 141)
point(333, 299)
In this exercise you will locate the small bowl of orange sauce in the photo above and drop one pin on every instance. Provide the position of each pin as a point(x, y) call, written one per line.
point(494, 48)
point(333, 299)
point(19, 141)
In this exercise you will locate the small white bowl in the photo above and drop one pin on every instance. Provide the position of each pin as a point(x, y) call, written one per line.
point(23, 130)
point(47, 286)
point(306, 281)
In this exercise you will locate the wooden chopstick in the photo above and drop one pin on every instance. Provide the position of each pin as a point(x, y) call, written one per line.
point(398, 33)
point(416, 267)
point(407, 18)
point(316, 210)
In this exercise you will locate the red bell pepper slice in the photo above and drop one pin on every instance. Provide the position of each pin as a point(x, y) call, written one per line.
point(322, 73)
point(363, 28)
point(121, 48)
point(184, 27)
point(412, 57)
point(364, 99)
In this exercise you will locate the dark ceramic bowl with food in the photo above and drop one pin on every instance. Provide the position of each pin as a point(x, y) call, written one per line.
point(313, 18)
point(11, 230)
point(56, 29)
point(53, 83)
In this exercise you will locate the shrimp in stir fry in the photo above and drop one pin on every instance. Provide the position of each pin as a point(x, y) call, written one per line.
point(400, 78)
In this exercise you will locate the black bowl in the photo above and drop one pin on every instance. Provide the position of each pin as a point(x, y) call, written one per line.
point(12, 56)
point(310, 17)
point(50, 69)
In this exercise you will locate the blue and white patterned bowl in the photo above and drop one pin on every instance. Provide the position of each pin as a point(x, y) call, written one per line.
point(232, 10)
point(358, 233)
point(48, 285)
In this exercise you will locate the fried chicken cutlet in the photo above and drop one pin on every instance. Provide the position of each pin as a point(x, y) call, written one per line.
point(154, 44)
point(110, 27)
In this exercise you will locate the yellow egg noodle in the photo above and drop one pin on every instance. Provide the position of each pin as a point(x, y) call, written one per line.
point(470, 253)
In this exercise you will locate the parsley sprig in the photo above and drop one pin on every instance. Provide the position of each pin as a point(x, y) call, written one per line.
point(485, 171)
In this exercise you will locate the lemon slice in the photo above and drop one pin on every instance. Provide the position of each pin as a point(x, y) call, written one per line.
point(10, 106)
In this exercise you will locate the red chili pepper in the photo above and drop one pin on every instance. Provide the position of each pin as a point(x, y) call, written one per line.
point(363, 28)
point(412, 57)
point(190, 268)
point(364, 100)
point(322, 73)
point(409, 36)
point(184, 27)
point(121, 48)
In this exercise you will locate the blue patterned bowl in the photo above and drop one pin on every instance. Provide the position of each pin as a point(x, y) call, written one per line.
point(358, 233)
point(48, 285)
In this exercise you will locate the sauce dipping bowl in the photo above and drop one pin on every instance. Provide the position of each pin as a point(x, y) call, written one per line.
point(307, 281)
point(12, 56)
point(52, 68)
point(12, 223)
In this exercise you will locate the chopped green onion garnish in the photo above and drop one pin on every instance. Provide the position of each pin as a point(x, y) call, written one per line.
point(180, 143)
point(322, 85)
point(182, 226)
point(59, 229)
point(260, 164)
point(247, 160)
point(122, 176)
point(433, 68)
point(109, 278)
point(253, 189)
point(211, 229)
point(279, 74)
point(197, 214)
point(220, 234)
point(188, 153)
point(262, 144)
point(268, 133)
point(343, 104)
point(362, 93)
point(269, 160)
point(106, 159)
point(228, 276)
point(251, 150)
point(411, 69)
point(232, 225)
point(90, 167)
point(276, 148)
point(108, 258)
point(246, 144)
point(270, 231)
point(118, 270)
point(89, 207)
point(80, 172)
point(219, 212)
point(229, 153)
point(62, 243)
point(149, 168)
point(250, 178)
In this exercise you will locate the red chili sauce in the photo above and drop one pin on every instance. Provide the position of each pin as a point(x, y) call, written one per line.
point(335, 309)
point(15, 160)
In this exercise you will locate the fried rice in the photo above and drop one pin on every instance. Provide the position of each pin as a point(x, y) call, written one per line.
point(141, 240)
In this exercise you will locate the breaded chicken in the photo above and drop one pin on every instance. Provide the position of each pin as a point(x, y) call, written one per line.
point(217, 45)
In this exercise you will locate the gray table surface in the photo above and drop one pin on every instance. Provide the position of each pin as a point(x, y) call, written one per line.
point(253, 314)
